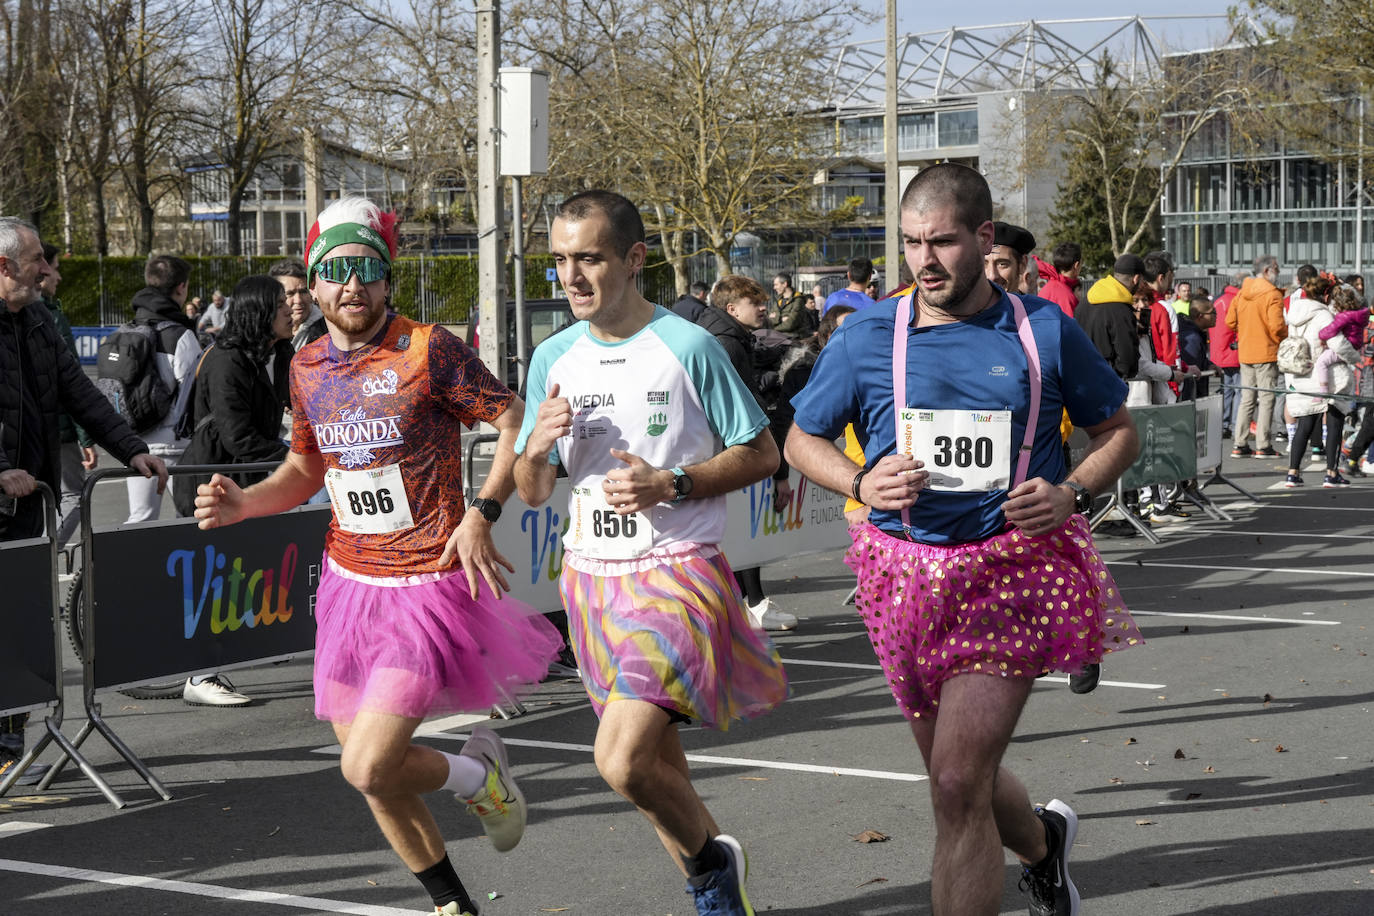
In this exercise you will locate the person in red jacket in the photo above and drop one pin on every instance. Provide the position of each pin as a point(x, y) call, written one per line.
point(1221, 347)
point(1060, 279)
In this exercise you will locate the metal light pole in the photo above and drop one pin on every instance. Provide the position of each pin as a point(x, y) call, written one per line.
point(491, 279)
point(892, 248)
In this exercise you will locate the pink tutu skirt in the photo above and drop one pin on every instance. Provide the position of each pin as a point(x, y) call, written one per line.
point(675, 635)
point(1013, 606)
point(420, 646)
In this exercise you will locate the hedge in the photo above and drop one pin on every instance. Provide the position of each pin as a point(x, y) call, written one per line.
point(97, 291)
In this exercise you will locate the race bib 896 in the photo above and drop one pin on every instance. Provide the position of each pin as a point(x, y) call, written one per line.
point(370, 501)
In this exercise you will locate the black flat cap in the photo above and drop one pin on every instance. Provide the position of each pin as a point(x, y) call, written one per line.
point(1128, 265)
point(1014, 237)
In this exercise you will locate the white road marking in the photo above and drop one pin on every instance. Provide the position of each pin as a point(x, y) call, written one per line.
point(695, 758)
point(462, 720)
point(218, 892)
point(1283, 570)
point(1062, 680)
point(1303, 535)
point(1206, 616)
point(16, 827)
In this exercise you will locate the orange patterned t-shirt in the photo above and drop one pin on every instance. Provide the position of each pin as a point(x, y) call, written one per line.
point(395, 402)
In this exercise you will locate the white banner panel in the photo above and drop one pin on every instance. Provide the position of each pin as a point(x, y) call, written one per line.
point(532, 539)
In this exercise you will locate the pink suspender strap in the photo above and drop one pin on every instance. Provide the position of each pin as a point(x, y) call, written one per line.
point(900, 329)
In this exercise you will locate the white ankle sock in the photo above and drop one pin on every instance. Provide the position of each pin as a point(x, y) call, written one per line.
point(466, 776)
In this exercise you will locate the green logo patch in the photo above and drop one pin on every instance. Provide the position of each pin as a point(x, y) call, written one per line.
point(657, 424)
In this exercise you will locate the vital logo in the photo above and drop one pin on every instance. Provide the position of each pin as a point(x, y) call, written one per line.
point(355, 436)
point(384, 385)
point(257, 598)
point(658, 398)
point(763, 520)
point(657, 424)
point(592, 401)
point(546, 542)
point(981, 417)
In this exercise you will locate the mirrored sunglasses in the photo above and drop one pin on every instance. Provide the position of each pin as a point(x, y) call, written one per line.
point(338, 270)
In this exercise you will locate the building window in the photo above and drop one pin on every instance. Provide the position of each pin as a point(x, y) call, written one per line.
point(959, 128)
point(916, 131)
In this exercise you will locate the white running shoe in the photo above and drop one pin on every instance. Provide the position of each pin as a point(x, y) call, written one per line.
point(213, 691)
point(766, 617)
point(500, 805)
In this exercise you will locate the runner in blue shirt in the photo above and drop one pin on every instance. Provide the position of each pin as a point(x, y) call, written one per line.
point(976, 574)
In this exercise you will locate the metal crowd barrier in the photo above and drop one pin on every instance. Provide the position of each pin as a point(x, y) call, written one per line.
point(31, 655)
point(166, 600)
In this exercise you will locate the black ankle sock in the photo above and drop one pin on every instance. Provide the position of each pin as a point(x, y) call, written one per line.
point(710, 858)
point(442, 884)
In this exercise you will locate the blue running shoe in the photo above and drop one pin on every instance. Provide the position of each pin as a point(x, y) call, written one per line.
point(722, 891)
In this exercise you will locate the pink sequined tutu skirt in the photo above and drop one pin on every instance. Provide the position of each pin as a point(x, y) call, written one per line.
point(1013, 606)
point(420, 646)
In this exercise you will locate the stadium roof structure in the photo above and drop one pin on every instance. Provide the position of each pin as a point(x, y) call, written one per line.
point(1031, 55)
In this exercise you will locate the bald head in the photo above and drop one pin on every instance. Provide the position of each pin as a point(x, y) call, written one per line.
point(951, 185)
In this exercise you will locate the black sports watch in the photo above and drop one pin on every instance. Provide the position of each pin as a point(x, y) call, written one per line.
point(490, 508)
point(682, 485)
point(1082, 498)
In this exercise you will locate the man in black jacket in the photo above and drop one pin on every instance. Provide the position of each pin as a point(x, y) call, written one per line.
point(42, 380)
point(691, 303)
point(739, 306)
point(1108, 317)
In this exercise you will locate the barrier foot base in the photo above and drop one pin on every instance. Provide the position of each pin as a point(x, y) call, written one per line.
point(24, 763)
point(1114, 502)
point(70, 752)
point(517, 708)
point(1218, 477)
point(118, 744)
point(1199, 499)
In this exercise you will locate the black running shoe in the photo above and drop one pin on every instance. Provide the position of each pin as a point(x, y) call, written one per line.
point(1085, 681)
point(1047, 883)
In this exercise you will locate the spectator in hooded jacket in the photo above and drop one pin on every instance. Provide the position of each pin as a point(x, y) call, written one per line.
point(1221, 347)
point(1060, 278)
point(690, 303)
point(1256, 317)
point(1108, 317)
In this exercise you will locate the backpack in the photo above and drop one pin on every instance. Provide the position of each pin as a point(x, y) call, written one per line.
point(1295, 356)
point(127, 374)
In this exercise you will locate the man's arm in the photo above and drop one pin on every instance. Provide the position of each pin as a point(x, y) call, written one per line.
point(471, 543)
point(221, 502)
point(892, 484)
point(1039, 507)
point(1274, 312)
point(534, 476)
point(639, 485)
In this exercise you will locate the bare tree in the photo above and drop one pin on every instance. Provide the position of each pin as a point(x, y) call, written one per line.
point(269, 68)
point(27, 185)
point(697, 111)
point(1128, 136)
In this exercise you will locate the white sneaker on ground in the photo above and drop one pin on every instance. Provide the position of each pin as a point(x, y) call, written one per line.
point(500, 806)
point(766, 617)
point(213, 691)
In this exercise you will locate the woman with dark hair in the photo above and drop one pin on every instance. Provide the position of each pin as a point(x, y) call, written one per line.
point(235, 413)
point(234, 407)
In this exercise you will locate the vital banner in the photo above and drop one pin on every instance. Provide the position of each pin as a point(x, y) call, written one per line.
point(755, 534)
point(171, 599)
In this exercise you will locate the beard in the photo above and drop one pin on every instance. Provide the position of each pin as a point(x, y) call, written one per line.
point(354, 322)
point(958, 287)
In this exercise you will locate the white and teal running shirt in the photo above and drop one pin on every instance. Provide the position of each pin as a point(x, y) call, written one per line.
point(668, 394)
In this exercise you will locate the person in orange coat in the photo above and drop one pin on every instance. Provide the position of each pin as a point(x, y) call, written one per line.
point(1256, 316)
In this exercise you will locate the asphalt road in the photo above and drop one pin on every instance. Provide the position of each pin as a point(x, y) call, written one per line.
point(1227, 767)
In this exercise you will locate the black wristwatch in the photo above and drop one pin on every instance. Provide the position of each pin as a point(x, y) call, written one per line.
point(1082, 498)
point(490, 508)
point(682, 485)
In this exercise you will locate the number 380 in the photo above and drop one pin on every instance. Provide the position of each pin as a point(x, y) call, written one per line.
point(963, 452)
